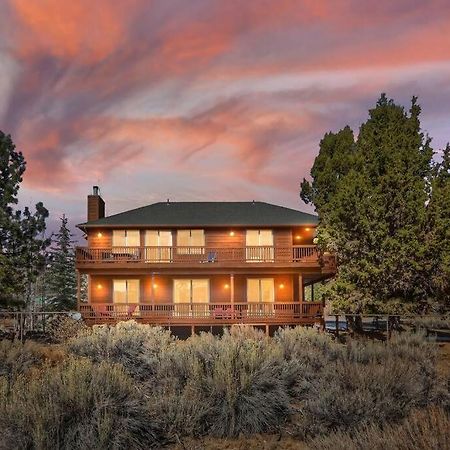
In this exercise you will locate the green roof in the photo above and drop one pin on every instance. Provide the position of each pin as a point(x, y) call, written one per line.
point(207, 214)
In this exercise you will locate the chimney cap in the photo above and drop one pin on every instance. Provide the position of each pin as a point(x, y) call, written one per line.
point(95, 190)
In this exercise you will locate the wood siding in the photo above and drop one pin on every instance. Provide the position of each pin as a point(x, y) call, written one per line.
point(220, 287)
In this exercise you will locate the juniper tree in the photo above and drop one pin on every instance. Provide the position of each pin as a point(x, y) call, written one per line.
point(438, 230)
point(21, 232)
point(61, 276)
point(370, 195)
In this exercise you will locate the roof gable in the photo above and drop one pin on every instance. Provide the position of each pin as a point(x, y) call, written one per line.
point(207, 214)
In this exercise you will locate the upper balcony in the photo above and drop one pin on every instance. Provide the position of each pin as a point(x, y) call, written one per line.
point(189, 257)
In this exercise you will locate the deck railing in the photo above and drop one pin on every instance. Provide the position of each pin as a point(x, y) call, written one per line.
point(250, 254)
point(208, 313)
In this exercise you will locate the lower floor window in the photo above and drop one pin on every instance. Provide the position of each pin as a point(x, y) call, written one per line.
point(260, 290)
point(126, 291)
point(191, 290)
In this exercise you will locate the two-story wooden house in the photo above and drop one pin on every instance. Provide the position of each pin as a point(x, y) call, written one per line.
point(201, 264)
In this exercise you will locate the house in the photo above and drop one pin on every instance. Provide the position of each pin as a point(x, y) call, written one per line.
point(201, 264)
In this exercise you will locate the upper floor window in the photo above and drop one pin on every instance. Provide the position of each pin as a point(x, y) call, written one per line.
point(158, 246)
point(259, 238)
point(259, 245)
point(190, 241)
point(126, 238)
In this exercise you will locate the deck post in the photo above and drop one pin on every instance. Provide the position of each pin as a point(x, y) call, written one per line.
point(267, 330)
point(152, 292)
point(192, 330)
point(78, 290)
point(232, 291)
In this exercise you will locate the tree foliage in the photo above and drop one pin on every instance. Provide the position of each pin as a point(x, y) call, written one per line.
point(383, 210)
point(61, 277)
point(21, 232)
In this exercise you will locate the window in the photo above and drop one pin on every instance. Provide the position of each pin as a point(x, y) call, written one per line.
point(190, 242)
point(126, 238)
point(259, 245)
point(260, 296)
point(126, 291)
point(260, 290)
point(158, 246)
point(187, 293)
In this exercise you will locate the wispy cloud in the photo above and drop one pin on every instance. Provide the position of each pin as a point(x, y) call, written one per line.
point(205, 99)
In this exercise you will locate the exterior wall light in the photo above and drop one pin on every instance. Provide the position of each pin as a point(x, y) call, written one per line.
point(298, 237)
point(155, 286)
point(99, 286)
point(231, 233)
point(99, 235)
point(281, 286)
point(226, 286)
point(307, 229)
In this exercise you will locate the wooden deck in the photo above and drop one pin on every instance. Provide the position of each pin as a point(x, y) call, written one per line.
point(209, 314)
point(203, 257)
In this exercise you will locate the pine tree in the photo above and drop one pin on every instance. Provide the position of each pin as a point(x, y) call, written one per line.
point(61, 276)
point(370, 195)
point(22, 244)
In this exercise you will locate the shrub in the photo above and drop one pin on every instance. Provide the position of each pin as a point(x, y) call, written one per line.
point(422, 430)
point(75, 405)
point(227, 386)
point(370, 382)
point(17, 358)
point(135, 346)
point(62, 328)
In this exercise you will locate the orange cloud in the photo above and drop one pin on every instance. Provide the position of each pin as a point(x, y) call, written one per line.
point(83, 29)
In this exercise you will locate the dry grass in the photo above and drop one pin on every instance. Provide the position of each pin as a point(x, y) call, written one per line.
point(422, 430)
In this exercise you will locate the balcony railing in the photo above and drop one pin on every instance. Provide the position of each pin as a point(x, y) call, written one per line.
point(206, 313)
point(249, 254)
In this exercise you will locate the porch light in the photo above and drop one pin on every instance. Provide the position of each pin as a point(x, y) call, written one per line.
point(307, 229)
point(99, 235)
point(226, 286)
point(99, 286)
point(231, 233)
point(155, 286)
point(281, 286)
point(298, 237)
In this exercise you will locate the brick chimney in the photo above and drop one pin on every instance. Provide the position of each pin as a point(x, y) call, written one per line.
point(95, 205)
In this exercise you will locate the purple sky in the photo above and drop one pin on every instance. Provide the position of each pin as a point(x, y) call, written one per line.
point(204, 99)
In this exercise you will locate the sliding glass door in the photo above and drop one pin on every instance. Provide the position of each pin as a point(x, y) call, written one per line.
point(259, 245)
point(158, 246)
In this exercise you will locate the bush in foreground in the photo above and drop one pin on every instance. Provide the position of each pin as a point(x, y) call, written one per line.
point(136, 347)
point(225, 386)
point(75, 405)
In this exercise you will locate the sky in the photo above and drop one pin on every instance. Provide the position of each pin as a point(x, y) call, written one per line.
point(204, 99)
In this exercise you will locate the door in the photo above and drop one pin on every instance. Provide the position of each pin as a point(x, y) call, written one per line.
point(191, 296)
point(260, 296)
point(125, 297)
point(158, 246)
point(259, 245)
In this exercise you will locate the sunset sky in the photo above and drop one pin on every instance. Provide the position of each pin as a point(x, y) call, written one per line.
point(204, 99)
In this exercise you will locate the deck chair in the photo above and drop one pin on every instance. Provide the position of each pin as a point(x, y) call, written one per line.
point(212, 257)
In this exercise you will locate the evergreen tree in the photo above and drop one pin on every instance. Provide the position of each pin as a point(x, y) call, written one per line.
point(438, 230)
point(62, 284)
point(370, 195)
point(22, 243)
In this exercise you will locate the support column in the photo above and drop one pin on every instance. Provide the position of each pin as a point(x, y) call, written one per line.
point(301, 289)
point(152, 290)
point(78, 290)
point(232, 288)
